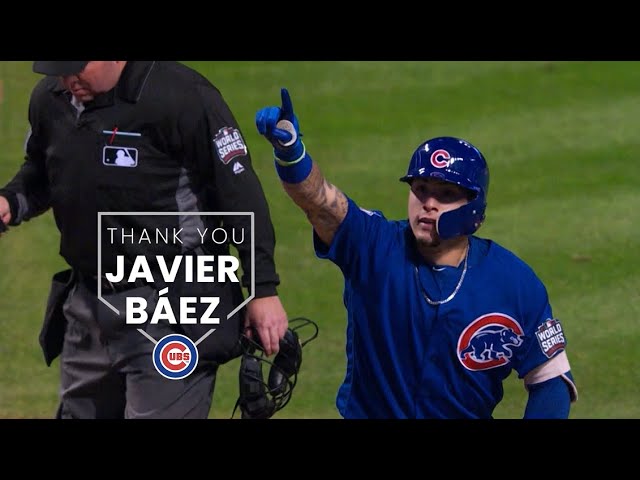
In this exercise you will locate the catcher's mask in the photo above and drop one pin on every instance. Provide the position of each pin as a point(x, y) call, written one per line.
point(260, 399)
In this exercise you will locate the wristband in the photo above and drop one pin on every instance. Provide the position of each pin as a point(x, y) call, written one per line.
point(295, 171)
point(289, 154)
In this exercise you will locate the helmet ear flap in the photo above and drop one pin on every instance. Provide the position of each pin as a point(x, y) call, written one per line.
point(464, 220)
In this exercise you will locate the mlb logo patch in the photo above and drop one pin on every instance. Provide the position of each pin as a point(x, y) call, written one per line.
point(229, 144)
point(115, 156)
point(550, 337)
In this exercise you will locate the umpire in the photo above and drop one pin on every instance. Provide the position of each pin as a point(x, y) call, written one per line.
point(141, 136)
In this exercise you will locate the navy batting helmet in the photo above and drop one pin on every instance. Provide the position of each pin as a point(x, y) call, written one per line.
point(457, 161)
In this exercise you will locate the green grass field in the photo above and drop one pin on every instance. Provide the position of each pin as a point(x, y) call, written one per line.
point(562, 143)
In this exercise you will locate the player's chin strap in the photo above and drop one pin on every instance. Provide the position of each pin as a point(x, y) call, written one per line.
point(259, 399)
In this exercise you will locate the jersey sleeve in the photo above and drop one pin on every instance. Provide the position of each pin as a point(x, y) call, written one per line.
point(217, 151)
point(362, 243)
point(28, 192)
point(544, 337)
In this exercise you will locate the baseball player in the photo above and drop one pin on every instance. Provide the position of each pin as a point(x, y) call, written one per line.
point(437, 317)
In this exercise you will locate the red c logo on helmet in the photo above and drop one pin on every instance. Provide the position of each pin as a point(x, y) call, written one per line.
point(440, 158)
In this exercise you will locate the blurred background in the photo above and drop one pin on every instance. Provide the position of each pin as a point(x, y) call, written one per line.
point(562, 141)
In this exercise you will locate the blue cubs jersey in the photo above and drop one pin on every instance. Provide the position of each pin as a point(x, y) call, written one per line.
point(409, 359)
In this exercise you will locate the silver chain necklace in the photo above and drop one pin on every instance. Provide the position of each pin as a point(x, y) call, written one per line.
point(455, 291)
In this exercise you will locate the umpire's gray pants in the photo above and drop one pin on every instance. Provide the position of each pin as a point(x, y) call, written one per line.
point(107, 367)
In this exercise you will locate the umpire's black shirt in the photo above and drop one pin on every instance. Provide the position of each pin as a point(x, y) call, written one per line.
point(162, 140)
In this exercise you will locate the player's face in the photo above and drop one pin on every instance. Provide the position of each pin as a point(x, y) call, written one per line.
point(97, 77)
point(428, 199)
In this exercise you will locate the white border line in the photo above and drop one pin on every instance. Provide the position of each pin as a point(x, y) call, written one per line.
point(252, 292)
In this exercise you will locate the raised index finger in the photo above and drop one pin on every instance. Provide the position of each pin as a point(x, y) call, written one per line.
point(287, 107)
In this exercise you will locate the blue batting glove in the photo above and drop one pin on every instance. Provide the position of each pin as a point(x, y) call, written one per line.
point(280, 126)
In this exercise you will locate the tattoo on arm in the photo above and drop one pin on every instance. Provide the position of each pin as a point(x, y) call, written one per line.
point(323, 203)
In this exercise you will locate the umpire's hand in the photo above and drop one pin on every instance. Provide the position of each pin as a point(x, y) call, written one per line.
point(5, 214)
point(267, 317)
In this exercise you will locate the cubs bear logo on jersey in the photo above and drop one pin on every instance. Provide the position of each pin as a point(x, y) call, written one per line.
point(488, 341)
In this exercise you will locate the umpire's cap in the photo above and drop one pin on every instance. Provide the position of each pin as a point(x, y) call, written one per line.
point(58, 68)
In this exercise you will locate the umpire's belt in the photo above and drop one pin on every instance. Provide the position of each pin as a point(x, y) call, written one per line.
point(92, 282)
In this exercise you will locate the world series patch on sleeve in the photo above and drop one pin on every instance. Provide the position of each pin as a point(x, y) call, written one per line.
point(550, 337)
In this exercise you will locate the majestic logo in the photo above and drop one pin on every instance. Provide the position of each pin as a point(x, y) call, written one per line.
point(229, 144)
point(488, 341)
point(237, 168)
point(115, 156)
point(441, 158)
point(550, 337)
point(175, 356)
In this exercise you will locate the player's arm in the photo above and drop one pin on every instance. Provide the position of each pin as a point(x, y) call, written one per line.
point(323, 203)
point(551, 389)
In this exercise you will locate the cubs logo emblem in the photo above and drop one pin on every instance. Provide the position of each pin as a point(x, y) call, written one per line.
point(441, 158)
point(488, 341)
point(175, 356)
